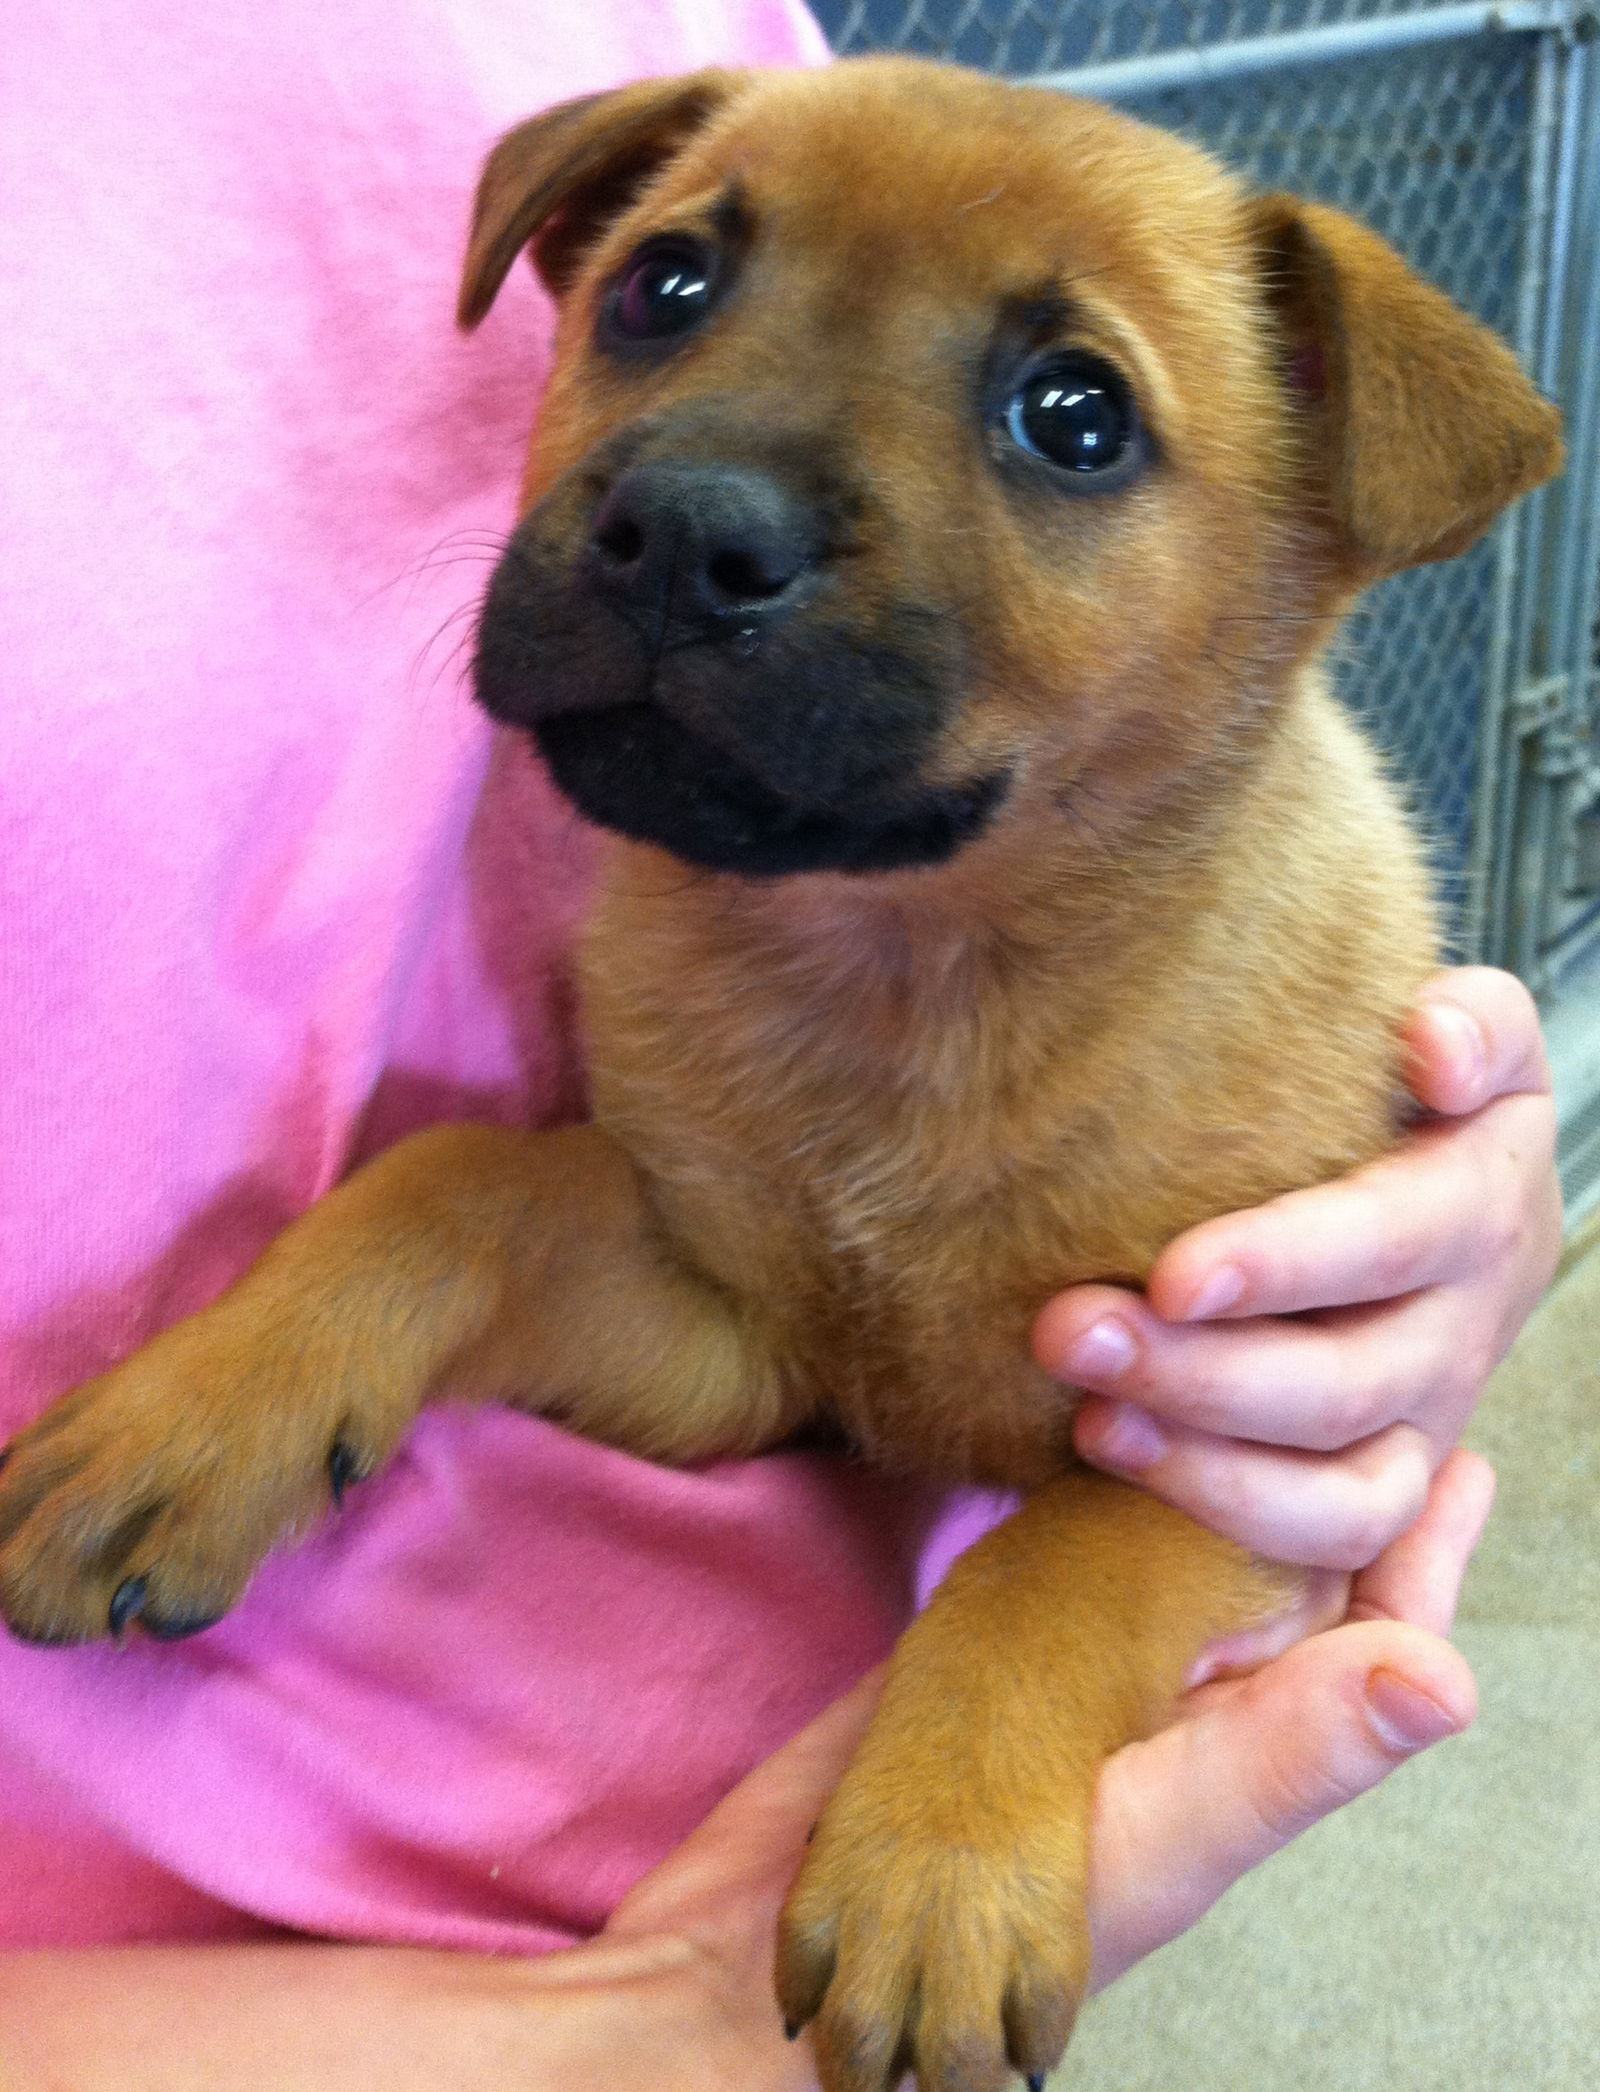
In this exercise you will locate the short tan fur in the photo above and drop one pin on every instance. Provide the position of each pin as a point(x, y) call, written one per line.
point(854, 1128)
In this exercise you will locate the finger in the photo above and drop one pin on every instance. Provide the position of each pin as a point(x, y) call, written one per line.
point(743, 1857)
point(1321, 1511)
point(1418, 1578)
point(1473, 1034)
point(1179, 1818)
point(1457, 1197)
point(1319, 1385)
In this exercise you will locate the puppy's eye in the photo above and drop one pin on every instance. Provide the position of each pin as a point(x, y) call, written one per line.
point(1075, 412)
point(663, 292)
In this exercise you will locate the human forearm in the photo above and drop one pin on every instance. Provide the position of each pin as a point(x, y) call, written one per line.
point(313, 2018)
point(292, 2018)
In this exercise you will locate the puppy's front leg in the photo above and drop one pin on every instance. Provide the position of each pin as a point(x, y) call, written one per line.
point(939, 1921)
point(523, 1266)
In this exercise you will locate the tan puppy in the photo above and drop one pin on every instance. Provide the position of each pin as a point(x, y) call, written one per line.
point(941, 501)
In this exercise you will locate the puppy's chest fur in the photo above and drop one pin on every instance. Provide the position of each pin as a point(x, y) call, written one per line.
point(893, 1132)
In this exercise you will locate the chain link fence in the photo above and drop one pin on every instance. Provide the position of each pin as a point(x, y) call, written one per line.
point(1469, 136)
point(1023, 38)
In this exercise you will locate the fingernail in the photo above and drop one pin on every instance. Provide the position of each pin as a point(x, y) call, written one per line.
point(1127, 1440)
point(1467, 1045)
point(1403, 1717)
point(1222, 1290)
point(1104, 1351)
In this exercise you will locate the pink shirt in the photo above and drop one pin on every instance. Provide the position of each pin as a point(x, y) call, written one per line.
point(251, 481)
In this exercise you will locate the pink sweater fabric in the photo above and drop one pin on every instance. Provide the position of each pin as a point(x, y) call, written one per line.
point(259, 912)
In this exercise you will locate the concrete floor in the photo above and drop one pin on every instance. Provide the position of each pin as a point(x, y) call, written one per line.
point(1442, 1935)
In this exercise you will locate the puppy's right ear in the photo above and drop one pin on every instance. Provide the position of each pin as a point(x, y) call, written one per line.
point(554, 181)
point(1418, 425)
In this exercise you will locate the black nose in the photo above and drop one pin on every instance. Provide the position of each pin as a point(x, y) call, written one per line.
point(710, 545)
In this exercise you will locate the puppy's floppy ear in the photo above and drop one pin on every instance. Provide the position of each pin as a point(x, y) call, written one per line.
point(1420, 424)
point(555, 180)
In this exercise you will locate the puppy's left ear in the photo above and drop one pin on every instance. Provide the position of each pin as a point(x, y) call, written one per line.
point(554, 181)
point(1419, 424)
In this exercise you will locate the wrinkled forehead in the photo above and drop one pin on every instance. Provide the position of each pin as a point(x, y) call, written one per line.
point(939, 197)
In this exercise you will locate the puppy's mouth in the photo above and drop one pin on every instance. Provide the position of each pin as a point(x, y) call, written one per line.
point(797, 746)
point(634, 769)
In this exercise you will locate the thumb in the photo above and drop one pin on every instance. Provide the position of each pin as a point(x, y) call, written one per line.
point(1180, 1817)
point(729, 1878)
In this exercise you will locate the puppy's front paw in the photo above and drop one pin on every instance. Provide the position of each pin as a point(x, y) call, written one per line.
point(935, 1932)
point(151, 1494)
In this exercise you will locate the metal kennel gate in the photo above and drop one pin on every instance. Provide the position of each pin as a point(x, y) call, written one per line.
point(1469, 135)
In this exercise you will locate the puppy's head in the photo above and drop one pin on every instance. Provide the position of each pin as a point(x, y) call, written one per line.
point(924, 455)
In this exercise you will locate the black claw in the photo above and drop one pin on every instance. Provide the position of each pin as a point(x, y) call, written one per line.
point(791, 2030)
point(810, 1834)
point(1036, 2082)
point(343, 1469)
point(127, 1604)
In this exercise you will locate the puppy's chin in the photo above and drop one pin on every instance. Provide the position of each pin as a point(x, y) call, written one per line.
point(633, 769)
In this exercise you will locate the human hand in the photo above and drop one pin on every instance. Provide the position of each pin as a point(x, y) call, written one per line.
point(675, 1995)
point(1248, 1763)
point(1294, 1375)
point(1245, 1765)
